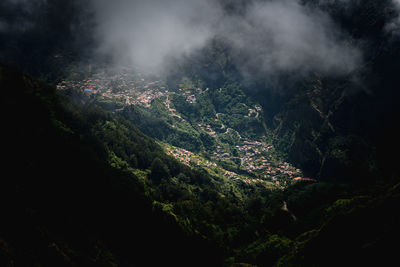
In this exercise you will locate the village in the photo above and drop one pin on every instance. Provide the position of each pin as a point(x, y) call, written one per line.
point(253, 161)
point(129, 89)
point(125, 87)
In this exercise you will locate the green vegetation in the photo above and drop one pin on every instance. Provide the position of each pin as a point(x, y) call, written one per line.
point(70, 196)
point(115, 168)
point(111, 184)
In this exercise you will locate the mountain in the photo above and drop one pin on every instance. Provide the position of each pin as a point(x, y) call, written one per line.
point(349, 130)
point(63, 203)
point(91, 183)
point(202, 165)
point(332, 127)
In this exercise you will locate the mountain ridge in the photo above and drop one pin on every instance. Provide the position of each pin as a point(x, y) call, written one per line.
point(197, 168)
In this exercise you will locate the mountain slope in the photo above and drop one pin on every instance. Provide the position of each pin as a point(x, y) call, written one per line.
point(332, 127)
point(63, 203)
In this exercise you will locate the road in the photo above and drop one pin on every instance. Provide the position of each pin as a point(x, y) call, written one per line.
point(285, 208)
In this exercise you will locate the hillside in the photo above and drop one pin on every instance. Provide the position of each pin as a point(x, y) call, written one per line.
point(332, 127)
point(91, 181)
point(65, 202)
point(199, 133)
point(220, 127)
point(84, 181)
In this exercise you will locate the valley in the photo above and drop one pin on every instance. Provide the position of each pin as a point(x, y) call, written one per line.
point(231, 142)
point(255, 133)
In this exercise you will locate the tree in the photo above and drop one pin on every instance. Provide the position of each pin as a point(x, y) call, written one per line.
point(159, 170)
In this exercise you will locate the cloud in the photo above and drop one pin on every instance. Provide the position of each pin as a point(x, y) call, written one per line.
point(286, 36)
point(146, 32)
point(3, 26)
point(393, 26)
point(267, 36)
point(19, 15)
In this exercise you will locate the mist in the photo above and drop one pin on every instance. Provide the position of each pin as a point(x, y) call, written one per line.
point(144, 33)
point(18, 15)
point(285, 36)
point(393, 26)
point(266, 37)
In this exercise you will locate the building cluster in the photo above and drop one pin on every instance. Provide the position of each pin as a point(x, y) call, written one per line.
point(221, 153)
point(230, 174)
point(146, 97)
point(252, 155)
point(284, 170)
point(189, 158)
point(191, 98)
point(207, 128)
point(254, 160)
point(251, 112)
point(183, 155)
point(254, 112)
point(133, 89)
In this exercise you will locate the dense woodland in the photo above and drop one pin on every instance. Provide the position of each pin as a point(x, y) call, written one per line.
point(84, 185)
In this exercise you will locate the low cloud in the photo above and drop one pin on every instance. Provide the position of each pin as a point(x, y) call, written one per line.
point(18, 15)
point(285, 36)
point(267, 36)
point(394, 25)
point(146, 32)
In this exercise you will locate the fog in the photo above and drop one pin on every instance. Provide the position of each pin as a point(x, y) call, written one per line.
point(394, 25)
point(266, 37)
point(144, 33)
point(280, 36)
point(17, 15)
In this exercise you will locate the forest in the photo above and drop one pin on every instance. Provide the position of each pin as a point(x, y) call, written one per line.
point(199, 166)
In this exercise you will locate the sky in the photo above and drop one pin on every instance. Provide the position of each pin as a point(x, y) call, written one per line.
point(269, 36)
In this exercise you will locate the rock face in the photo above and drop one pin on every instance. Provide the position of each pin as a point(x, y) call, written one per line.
point(332, 125)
